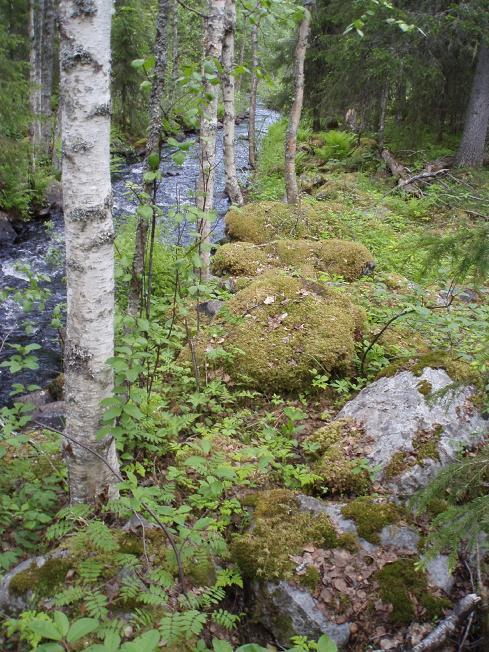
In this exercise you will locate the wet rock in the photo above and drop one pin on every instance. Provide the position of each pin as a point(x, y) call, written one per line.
point(7, 231)
point(38, 398)
point(54, 196)
point(286, 610)
point(400, 537)
point(210, 308)
point(417, 424)
point(51, 415)
point(309, 181)
point(13, 601)
point(438, 572)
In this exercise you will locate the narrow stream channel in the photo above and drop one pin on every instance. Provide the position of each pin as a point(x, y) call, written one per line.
point(40, 246)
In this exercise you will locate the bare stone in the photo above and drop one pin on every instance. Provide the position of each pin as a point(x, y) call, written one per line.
point(394, 410)
point(282, 601)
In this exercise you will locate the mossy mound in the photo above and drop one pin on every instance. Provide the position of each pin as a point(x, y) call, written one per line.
point(42, 580)
point(239, 259)
point(277, 329)
point(262, 222)
point(458, 370)
point(336, 257)
point(405, 587)
point(339, 257)
point(279, 530)
point(339, 471)
point(371, 516)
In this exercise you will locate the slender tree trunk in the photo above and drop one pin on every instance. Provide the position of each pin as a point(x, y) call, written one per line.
point(36, 13)
point(291, 187)
point(471, 149)
point(253, 93)
point(213, 34)
point(383, 110)
point(89, 234)
point(175, 45)
point(55, 156)
point(241, 59)
point(232, 188)
point(47, 63)
point(152, 146)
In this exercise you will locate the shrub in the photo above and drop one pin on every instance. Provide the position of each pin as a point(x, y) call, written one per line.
point(336, 145)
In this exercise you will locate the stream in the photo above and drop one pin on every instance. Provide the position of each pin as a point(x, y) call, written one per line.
point(40, 247)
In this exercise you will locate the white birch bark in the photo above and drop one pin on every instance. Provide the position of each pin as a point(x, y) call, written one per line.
point(253, 94)
point(291, 188)
point(232, 188)
point(213, 34)
point(89, 233)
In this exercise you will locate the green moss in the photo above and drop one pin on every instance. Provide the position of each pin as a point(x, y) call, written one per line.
point(56, 388)
point(265, 221)
point(310, 579)
point(348, 541)
point(130, 544)
point(400, 584)
point(370, 516)
point(200, 571)
point(457, 369)
point(424, 387)
point(425, 443)
point(397, 465)
point(279, 530)
point(239, 259)
point(42, 580)
point(282, 328)
point(337, 470)
point(338, 257)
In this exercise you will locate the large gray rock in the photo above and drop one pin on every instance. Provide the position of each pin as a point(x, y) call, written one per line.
point(10, 601)
point(7, 231)
point(394, 411)
point(286, 610)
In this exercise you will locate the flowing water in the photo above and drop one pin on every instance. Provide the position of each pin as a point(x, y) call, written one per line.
point(40, 246)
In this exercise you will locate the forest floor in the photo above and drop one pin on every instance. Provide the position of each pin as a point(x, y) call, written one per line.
point(206, 426)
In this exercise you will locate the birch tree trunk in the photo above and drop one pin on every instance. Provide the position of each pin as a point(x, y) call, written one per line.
point(47, 63)
point(135, 297)
point(213, 34)
point(232, 188)
point(471, 149)
point(291, 187)
point(89, 234)
point(36, 13)
point(253, 93)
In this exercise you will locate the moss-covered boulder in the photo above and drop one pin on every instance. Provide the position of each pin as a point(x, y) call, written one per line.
point(240, 259)
point(338, 450)
point(262, 222)
point(280, 529)
point(337, 257)
point(277, 329)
